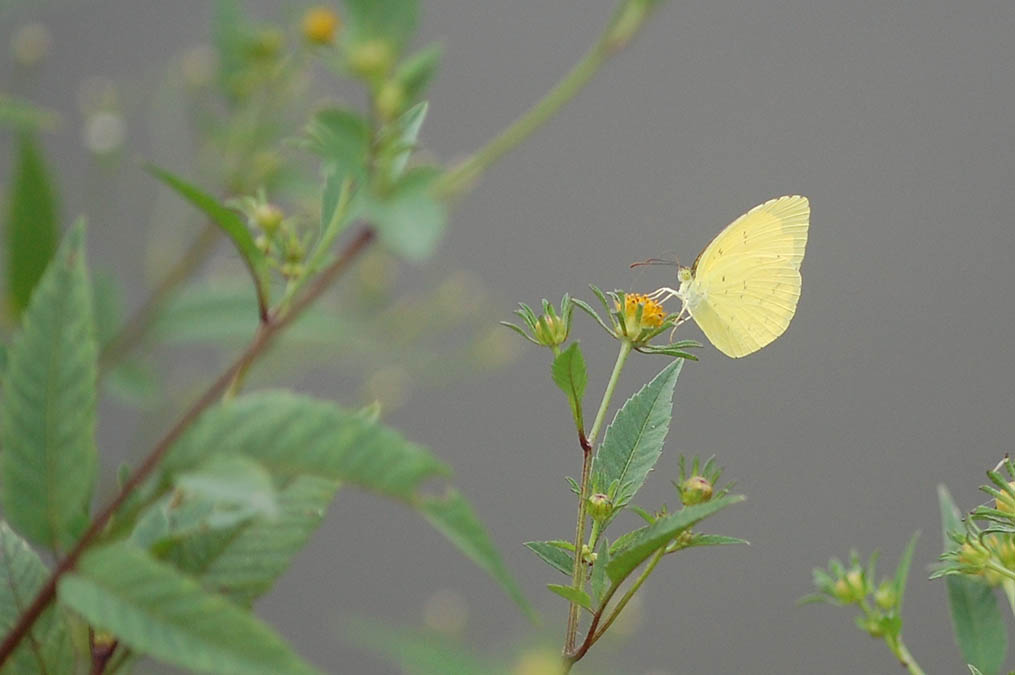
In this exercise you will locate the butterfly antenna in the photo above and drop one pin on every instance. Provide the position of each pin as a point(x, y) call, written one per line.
point(652, 261)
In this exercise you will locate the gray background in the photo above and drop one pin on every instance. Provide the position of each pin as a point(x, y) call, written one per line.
point(894, 118)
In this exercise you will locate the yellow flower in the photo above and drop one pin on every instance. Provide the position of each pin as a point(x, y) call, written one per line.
point(320, 25)
point(651, 316)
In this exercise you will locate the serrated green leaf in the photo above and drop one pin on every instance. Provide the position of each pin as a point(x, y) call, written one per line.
point(393, 21)
point(341, 138)
point(290, 434)
point(902, 571)
point(47, 419)
point(580, 598)
point(47, 647)
point(233, 481)
point(979, 628)
point(553, 555)
point(243, 562)
point(17, 113)
point(409, 219)
point(420, 653)
point(418, 70)
point(715, 540)
point(599, 581)
point(31, 227)
point(452, 516)
point(634, 440)
point(647, 540)
point(155, 610)
point(570, 375)
point(230, 223)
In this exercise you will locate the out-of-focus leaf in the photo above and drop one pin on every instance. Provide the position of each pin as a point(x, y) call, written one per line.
point(392, 21)
point(342, 139)
point(220, 313)
point(418, 70)
point(47, 647)
point(397, 142)
point(979, 628)
point(157, 611)
point(243, 562)
point(23, 115)
point(409, 219)
point(902, 571)
point(419, 653)
point(47, 417)
point(31, 224)
point(230, 223)
point(454, 518)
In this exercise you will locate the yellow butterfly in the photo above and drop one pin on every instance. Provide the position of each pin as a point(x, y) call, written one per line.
point(742, 290)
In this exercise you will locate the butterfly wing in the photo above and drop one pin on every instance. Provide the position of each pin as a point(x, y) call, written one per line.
point(746, 282)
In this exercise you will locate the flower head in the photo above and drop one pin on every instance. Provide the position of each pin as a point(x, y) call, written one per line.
point(549, 329)
point(320, 25)
point(638, 318)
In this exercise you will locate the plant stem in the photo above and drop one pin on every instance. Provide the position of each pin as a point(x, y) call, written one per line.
point(627, 20)
point(900, 651)
point(578, 572)
point(136, 327)
point(265, 334)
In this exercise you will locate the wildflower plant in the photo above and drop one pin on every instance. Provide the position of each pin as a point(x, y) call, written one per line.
point(202, 523)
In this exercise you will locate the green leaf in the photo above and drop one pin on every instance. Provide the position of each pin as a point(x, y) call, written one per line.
point(979, 629)
point(570, 375)
point(243, 562)
point(290, 434)
point(157, 611)
point(902, 571)
point(31, 227)
point(634, 440)
point(580, 598)
point(715, 540)
point(17, 113)
point(47, 419)
point(393, 21)
point(647, 540)
point(397, 142)
point(417, 71)
point(232, 481)
point(342, 139)
point(135, 383)
point(973, 670)
point(453, 517)
point(230, 223)
point(47, 647)
point(409, 219)
point(598, 580)
point(554, 554)
point(419, 653)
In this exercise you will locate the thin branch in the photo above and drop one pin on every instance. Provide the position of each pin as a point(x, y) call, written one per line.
point(265, 334)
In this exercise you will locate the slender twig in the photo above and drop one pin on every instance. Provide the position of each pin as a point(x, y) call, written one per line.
point(628, 18)
point(578, 571)
point(265, 333)
point(906, 658)
point(137, 326)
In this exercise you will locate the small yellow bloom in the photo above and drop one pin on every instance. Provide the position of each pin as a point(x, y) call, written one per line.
point(320, 25)
point(652, 313)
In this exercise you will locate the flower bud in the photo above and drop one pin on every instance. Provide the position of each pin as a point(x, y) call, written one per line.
point(550, 330)
point(695, 490)
point(600, 507)
point(874, 627)
point(268, 217)
point(320, 25)
point(372, 59)
point(885, 597)
point(849, 588)
point(390, 100)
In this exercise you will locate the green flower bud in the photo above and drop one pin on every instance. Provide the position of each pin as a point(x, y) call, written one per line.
point(372, 59)
point(695, 490)
point(874, 627)
point(600, 507)
point(885, 597)
point(268, 217)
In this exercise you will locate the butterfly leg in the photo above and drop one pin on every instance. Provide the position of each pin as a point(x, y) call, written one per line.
point(663, 294)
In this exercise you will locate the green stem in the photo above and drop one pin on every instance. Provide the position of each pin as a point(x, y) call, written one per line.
point(628, 18)
point(630, 594)
point(900, 651)
point(577, 574)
